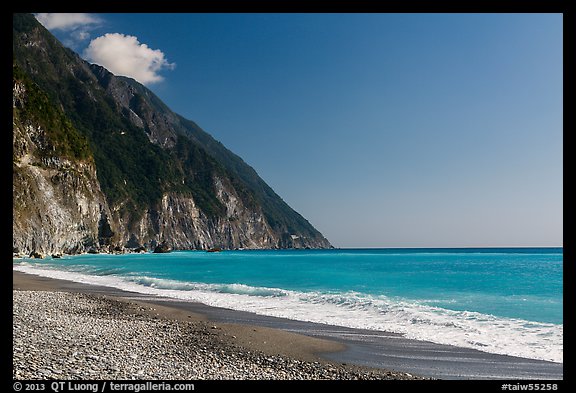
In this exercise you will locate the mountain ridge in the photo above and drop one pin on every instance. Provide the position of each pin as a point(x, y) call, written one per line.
point(159, 177)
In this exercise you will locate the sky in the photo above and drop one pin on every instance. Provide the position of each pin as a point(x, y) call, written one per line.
point(383, 130)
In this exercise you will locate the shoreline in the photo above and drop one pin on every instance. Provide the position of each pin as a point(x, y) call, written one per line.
point(366, 351)
point(141, 250)
point(195, 346)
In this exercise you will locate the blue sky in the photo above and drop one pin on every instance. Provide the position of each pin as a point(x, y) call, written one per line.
point(383, 130)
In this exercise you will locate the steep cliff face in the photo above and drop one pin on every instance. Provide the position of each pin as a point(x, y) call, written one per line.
point(140, 106)
point(58, 205)
point(100, 162)
point(181, 224)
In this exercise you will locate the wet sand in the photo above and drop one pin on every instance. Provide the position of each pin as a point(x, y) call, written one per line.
point(321, 343)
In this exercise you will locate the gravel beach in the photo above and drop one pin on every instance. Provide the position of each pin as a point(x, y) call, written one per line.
point(68, 335)
point(69, 330)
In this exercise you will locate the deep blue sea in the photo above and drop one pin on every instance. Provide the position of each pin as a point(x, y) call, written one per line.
point(499, 300)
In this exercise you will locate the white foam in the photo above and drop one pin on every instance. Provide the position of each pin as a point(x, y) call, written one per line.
point(466, 329)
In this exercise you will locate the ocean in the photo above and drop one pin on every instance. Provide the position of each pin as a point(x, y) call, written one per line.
point(499, 300)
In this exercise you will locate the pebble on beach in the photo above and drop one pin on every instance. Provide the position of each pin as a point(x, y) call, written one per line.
point(84, 336)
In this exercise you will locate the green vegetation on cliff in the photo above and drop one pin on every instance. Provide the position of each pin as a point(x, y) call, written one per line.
point(60, 137)
point(141, 149)
point(133, 172)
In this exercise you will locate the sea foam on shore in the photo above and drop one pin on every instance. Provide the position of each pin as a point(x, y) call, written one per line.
point(84, 336)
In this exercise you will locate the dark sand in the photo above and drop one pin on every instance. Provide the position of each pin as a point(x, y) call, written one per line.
point(319, 342)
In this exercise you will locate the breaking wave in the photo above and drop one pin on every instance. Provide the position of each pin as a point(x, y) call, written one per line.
point(414, 319)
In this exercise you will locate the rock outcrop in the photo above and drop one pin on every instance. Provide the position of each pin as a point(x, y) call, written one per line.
point(101, 164)
point(58, 205)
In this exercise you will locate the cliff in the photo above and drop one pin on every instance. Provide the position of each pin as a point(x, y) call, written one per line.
point(100, 162)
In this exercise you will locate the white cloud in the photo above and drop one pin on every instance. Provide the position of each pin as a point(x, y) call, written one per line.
point(66, 22)
point(81, 35)
point(125, 55)
point(76, 26)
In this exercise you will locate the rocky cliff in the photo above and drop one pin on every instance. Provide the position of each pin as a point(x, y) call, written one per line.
point(99, 162)
point(58, 205)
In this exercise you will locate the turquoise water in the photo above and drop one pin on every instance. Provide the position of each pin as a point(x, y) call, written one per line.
point(499, 300)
